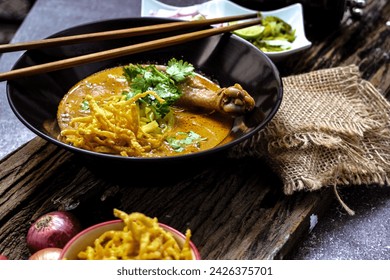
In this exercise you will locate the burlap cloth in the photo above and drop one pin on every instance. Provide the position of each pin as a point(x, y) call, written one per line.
point(332, 129)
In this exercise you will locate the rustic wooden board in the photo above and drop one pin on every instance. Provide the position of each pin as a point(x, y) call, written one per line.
point(235, 207)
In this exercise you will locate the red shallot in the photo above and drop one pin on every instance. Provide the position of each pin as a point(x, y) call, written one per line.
point(52, 230)
point(46, 254)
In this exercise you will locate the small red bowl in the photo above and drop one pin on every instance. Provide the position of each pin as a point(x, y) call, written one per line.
point(88, 236)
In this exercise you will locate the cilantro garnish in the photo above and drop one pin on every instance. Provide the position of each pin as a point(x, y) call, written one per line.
point(84, 105)
point(183, 139)
point(165, 83)
point(179, 70)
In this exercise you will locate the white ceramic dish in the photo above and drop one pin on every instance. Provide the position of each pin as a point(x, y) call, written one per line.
point(292, 14)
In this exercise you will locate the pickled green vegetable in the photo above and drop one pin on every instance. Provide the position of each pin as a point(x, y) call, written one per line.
point(272, 35)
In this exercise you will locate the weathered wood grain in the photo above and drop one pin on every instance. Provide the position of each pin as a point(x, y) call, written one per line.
point(235, 209)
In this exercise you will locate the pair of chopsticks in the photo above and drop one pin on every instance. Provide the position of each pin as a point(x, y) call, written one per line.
point(122, 51)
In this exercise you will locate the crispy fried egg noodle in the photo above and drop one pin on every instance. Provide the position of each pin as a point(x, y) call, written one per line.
point(116, 125)
point(142, 238)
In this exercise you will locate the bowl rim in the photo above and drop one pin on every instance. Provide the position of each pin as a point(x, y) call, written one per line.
point(166, 227)
point(200, 154)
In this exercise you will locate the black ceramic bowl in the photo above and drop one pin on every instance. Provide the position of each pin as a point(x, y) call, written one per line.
point(224, 58)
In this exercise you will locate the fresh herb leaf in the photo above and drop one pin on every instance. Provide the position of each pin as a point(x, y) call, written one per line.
point(128, 94)
point(84, 105)
point(183, 139)
point(143, 78)
point(179, 69)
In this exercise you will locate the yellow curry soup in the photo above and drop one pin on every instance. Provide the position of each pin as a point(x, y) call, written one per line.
point(100, 115)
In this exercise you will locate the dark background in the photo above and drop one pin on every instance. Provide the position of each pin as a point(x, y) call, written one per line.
point(12, 13)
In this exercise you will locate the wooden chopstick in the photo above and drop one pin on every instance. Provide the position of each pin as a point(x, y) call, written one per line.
point(122, 51)
point(121, 33)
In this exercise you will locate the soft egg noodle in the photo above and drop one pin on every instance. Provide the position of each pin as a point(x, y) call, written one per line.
point(141, 239)
point(116, 125)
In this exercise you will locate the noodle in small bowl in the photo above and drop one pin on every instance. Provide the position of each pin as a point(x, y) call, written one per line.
point(117, 239)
